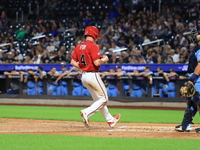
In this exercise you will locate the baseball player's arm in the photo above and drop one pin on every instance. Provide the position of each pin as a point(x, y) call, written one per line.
point(141, 74)
point(108, 74)
point(101, 61)
point(197, 68)
point(25, 79)
point(74, 63)
point(60, 76)
point(196, 73)
point(150, 79)
point(172, 74)
point(56, 74)
point(166, 76)
point(73, 74)
point(41, 76)
point(6, 73)
point(21, 76)
point(121, 73)
point(31, 72)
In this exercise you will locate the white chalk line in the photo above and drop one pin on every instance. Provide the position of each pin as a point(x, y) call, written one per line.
point(125, 128)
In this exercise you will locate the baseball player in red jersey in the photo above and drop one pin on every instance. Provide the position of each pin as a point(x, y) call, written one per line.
point(87, 57)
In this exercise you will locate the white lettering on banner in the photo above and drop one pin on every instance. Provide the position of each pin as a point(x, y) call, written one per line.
point(25, 67)
point(131, 68)
point(185, 68)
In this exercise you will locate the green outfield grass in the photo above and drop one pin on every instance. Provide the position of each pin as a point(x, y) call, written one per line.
point(64, 142)
point(61, 142)
point(72, 114)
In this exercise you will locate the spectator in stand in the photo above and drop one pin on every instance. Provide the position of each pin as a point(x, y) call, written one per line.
point(185, 44)
point(54, 31)
point(169, 60)
point(2, 58)
point(63, 50)
point(50, 47)
point(61, 28)
point(3, 15)
point(174, 56)
point(45, 58)
point(175, 44)
point(154, 56)
point(149, 60)
point(20, 34)
point(114, 47)
point(125, 56)
point(28, 59)
point(191, 47)
point(131, 60)
point(178, 50)
point(18, 56)
point(41, 47)
point(56, 42)
point(10, 58)
point(165, 24)
point(4, 24)
point(182, 60)
point(60, 58)
point(51, 57)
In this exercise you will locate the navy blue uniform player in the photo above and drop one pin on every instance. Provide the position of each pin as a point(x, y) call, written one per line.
point(194, 71)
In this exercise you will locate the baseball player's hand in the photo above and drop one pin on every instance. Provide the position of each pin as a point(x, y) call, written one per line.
point(105, 58)
point(56, 82)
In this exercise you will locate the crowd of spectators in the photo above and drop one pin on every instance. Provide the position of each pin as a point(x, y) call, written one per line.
point(126, 27)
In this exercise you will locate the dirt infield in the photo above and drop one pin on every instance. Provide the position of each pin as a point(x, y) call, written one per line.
point(97, 129)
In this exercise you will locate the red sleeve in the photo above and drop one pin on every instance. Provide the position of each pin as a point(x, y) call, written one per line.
point(95, 52)
point(74, 55)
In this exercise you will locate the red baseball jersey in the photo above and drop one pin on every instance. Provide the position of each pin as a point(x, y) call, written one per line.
point(86, 53)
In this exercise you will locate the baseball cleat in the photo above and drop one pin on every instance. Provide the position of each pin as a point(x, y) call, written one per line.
point(85, 119)
point(181, 125)
point(197, 130)
point(179, 128)
point(116, 119)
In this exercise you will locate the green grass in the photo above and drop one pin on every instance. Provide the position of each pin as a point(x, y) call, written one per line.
point(2, 121)
point(72, 114)
point(64, 142)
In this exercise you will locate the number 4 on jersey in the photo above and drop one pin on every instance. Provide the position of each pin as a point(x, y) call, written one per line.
point(83, 60)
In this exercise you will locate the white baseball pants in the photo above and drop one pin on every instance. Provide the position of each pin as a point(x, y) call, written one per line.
point(93, 82)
